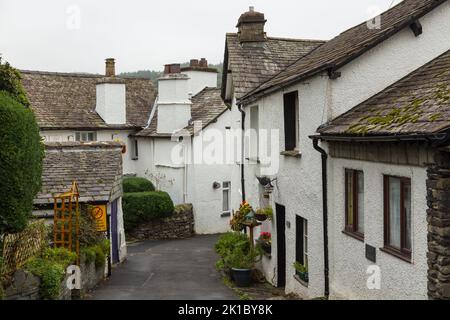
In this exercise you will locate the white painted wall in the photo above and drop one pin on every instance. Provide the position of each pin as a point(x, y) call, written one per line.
point(110, 102)
point(320, 99)
point(173, 117)
point(399, 279)
point(207, 201)
point(198, 80)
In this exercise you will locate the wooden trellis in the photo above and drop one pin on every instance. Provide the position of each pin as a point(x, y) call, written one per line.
point(66, 220)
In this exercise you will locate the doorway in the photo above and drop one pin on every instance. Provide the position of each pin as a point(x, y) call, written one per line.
point(114, 232)
point(281, 244)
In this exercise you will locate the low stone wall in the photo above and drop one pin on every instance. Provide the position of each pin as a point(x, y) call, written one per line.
point(178, 226)
point(26, 286)
point(438, 216)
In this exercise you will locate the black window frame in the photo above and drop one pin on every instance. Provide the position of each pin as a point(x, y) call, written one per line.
point(290, 112)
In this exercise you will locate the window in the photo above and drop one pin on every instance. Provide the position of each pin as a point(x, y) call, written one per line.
point(254, 139)
point(85, 136)
point(354, 203)
point(226, 205)
point(290, 121)
point(135, 147)
point(397, 216)
point(301, 245)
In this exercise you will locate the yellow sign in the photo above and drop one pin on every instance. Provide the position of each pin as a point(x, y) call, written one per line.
point(99, 214)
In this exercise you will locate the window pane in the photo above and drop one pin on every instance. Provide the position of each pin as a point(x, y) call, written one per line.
point(360, 202)
point(394, 212)
point(225, 201)
point(77, 136)
point(349, 191)
point(226, 184)
point(407, 205)
point(90, 136)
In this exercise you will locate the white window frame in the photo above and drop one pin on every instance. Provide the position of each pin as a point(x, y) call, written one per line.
point(228, 190)
point(83, 136)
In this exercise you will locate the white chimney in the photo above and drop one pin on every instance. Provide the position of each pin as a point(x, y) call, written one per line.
point(111, 96)
point(200, 75)
point(174, 105)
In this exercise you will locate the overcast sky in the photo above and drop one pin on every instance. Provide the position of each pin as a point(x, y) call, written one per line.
point(76, 35)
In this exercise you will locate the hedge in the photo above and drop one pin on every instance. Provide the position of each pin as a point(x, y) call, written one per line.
point(136, 184)
point(11, 82)
point(21, 154)
point(145, 206)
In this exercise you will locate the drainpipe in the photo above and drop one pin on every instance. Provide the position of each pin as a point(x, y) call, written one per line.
point(242, 151)
point(325, 214)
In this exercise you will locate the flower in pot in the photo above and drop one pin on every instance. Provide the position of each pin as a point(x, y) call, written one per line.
point(265, 242)
point(237, 221)
point(264, 214)
point(241, 266)
point(302, 271)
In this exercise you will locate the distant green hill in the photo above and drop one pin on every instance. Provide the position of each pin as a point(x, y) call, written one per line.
point(153, 75)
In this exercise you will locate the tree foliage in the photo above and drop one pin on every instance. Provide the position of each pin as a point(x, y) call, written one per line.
point(11, 82)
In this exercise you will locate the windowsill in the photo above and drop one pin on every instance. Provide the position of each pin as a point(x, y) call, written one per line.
point(291, 153)
point(303, 283)
point(397, 254)
point(355, 235)
point(225, 214)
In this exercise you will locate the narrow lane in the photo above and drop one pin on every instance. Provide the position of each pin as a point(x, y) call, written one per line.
point(167, 270)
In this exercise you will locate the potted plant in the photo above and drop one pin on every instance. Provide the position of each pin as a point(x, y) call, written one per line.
point(241, 266)
point(264, 214)
point(302, 271)
point(240, 216)
point(265, 242)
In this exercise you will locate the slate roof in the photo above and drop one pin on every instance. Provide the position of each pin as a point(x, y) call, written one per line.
point(67, 100)
point(207, 106)
point(95, 166)
point(253, 63)
point(417, 104)
point(347, 46)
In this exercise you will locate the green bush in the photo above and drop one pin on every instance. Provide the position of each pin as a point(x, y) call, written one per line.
point(229, 246)
point(96, 253)
point(135, 184)
point(50, 267)
point(145, 206)
point(21, 157)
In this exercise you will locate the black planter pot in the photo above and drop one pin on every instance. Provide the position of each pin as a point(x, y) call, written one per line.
point(261, 217)
point(242, 277)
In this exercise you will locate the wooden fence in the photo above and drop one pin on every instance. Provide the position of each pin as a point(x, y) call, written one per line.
point(20, 247)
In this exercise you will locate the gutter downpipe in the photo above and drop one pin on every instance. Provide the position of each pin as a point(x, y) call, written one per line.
point(325, 214)
point(242, 151)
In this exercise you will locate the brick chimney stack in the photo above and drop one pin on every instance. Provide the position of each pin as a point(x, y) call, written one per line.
point(251, 26)
point(110, 68)
point(172, 68)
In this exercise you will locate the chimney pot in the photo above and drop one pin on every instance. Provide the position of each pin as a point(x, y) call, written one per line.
point(251, 9)
point(110, 69)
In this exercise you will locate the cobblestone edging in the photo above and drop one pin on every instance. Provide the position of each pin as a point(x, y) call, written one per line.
point(178, 226)
point(438, 217)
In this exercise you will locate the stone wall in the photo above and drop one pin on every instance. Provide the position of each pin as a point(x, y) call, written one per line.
point(438, 197)
point(178, 226)
point(23, 285)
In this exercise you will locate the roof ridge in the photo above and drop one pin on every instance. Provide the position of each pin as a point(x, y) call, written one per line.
point(77, 74)
point(296, 39)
